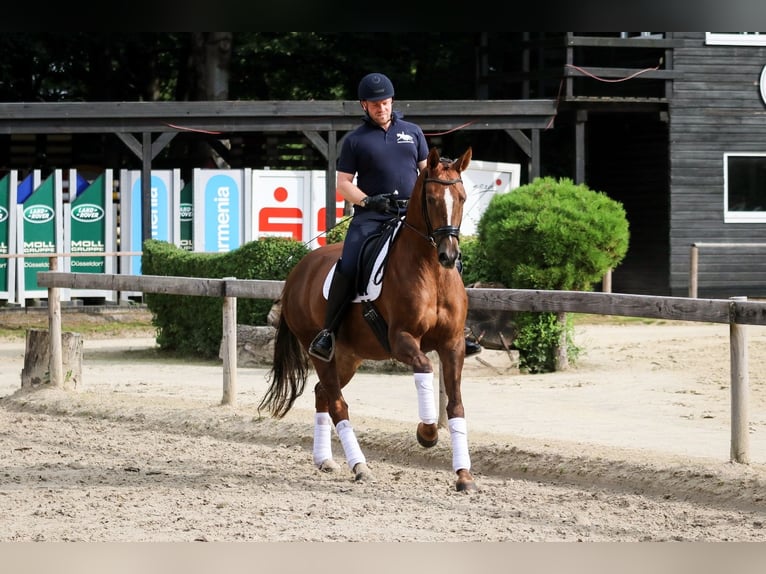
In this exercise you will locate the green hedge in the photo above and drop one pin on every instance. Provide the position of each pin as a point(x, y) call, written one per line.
point(193, 324)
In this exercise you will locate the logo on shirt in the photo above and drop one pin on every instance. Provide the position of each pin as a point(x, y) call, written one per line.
point(402, 137)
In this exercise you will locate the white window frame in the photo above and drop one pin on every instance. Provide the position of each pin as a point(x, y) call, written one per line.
point(739, 216)
point(736, 38)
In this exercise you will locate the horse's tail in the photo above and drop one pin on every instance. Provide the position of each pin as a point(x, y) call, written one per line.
point(288, 374)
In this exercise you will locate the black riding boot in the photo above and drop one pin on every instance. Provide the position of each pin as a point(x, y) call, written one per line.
point(471, 347)
point(340, 295)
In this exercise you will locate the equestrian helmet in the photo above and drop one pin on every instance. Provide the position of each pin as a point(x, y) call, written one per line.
point(375, 87)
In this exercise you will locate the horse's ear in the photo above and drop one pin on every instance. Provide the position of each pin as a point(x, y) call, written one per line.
point(433, 158)
point(462, 162)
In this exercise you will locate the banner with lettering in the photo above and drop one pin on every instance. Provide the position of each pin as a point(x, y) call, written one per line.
point(186, 217)
point(8, 186)
point(163, 213)
point(39, 232)
point(318, 220)
point(221, 209)
point(89, 229)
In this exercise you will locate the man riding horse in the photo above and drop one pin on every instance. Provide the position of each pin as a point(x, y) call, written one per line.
point(385, 153)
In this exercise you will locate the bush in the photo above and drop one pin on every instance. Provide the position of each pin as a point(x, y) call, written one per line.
point(337, 233)
point(553, 235)
point(548, 235)
point(193, 324)
point(473, 258)
point(537, 341)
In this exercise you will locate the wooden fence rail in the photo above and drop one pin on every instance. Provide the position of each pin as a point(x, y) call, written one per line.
point(737, 312)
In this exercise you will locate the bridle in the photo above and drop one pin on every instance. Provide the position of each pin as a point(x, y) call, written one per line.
point(435, 235)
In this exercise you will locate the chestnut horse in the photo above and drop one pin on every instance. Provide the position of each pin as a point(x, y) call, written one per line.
point(424, 304)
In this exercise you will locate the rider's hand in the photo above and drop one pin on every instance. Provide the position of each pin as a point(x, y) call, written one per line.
point(377, 203)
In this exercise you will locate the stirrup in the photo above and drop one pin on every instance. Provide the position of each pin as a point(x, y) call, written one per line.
point(472, 347)
point(321, 352)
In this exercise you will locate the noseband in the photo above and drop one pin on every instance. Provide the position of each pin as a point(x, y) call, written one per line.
point(435, 235)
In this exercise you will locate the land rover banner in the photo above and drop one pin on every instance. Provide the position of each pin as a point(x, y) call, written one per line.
point(38, 234)
point(187, 217)
point(89, 229)
point(87, 224)
point(8, 235)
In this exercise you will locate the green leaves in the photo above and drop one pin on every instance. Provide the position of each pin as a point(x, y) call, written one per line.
point(553, 234)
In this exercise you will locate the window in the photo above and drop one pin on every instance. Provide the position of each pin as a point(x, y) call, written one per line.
point(744, 187)
point(736, 38)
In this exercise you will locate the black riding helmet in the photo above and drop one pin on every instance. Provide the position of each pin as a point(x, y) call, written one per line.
point(375, 87)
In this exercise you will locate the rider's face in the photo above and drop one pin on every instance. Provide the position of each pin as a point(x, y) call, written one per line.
point(379, 111)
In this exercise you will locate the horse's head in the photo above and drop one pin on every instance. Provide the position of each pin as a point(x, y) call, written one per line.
point(442, 198)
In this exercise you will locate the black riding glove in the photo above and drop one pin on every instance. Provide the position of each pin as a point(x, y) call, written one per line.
point(377, 203)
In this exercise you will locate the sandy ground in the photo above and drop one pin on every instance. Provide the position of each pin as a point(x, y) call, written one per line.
point(630, 444)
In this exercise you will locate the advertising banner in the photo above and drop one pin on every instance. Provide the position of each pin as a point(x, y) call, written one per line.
point(482, 180)
point(89, 229)
point(291, 204)
point(27, 185)
point(318, 211)
point(8, 186)
point(281, 202)
point(221, 209)
point(163, 216)
point(39, 232)
point(163, 213)
point(186, 217)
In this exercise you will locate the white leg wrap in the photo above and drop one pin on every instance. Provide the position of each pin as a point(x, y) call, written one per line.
point(458, 433)
point(424, 383)
point(322, 438)
point(350, 445)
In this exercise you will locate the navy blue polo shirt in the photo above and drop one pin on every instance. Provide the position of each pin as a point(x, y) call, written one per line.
point(384, 161)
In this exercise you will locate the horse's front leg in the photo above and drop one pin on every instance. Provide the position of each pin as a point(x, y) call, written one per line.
point(407, 350)
point(428, 430)
point(452, 367)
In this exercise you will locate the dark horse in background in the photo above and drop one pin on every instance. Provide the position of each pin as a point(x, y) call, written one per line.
point(424, 304)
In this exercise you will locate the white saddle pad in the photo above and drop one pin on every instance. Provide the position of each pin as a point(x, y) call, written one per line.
point(376, 277)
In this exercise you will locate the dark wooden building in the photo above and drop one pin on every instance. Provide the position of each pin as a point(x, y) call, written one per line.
point(671, 124)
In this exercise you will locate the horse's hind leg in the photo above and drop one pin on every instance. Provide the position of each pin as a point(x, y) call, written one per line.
point(322, 451)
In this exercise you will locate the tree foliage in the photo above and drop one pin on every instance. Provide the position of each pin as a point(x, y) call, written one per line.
point(164, 66)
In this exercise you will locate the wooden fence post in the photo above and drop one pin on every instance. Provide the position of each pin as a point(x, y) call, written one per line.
point(606, 282)
point(229, 344)
point(56, 360)
point(693, 269)
point(740, 391)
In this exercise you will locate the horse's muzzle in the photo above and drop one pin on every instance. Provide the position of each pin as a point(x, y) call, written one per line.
point(448, 251)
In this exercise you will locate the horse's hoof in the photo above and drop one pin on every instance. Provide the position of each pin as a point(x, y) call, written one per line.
point(466, 486)
point(465, 482)
point(362, 473)
point(328, 465)
point(423, 440)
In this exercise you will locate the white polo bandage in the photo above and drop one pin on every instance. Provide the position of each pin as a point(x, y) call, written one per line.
point(350, 445)
point(424, 384)
point(322, 438)
point(458, 432)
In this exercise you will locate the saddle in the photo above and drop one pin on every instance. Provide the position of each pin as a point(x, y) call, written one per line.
point(370, 271)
